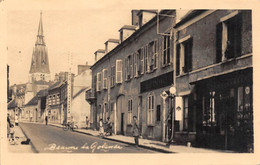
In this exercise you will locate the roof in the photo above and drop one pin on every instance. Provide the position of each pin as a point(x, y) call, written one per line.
point(42, 93)
point(100, 51)
point(112, 40)
point(12, 104)
point(131, 37)
point(129, 27)
point(79, 92)
point(40, 61)
point(55, 85)
point(33, 101)
point(189, 16)
point(148, 11)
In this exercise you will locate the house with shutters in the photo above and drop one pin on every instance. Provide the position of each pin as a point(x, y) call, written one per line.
point(214, 79)
point(128, 79)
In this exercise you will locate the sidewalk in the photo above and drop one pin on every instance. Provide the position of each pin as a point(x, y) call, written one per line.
point(16, 146)
point(151, 144)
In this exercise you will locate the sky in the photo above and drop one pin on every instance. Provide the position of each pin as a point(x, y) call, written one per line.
point(77, 28)
point(80, 32)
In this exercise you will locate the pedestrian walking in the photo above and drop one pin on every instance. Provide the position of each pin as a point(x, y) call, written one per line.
point(101, 128)
point(87, 122)
point(9, 125)
point(16, 120)
point(109, 127)
point(46, 120)
point(136, 132)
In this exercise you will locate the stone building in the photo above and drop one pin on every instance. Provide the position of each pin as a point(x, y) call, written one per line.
point(129, 79)
point(214, 79)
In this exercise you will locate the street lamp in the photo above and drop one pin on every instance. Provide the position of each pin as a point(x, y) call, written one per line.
point(173, 95)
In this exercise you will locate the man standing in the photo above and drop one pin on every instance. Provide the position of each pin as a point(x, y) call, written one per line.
point(16, 120)
point(87, 121)
point(46, 120)
point(136, 132)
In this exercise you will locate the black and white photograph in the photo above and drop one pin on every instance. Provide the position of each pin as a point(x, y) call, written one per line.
point(109, 79)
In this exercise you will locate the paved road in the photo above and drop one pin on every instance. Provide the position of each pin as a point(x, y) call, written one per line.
point(49, 139)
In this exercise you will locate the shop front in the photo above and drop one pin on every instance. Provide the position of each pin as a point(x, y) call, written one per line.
point(225, 111)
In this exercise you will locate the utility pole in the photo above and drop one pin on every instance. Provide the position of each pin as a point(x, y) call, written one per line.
point(69, 89)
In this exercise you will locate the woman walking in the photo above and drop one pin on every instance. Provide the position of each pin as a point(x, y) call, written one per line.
point(136, 132)
point(101, 128)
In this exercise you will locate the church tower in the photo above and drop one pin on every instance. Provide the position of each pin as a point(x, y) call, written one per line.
point(39, 71)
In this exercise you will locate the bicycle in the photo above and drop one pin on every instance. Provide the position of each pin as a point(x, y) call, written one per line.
point(70, 125)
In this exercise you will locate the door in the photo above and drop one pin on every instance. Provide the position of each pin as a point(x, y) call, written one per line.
point(120, 110)
point(122, 123)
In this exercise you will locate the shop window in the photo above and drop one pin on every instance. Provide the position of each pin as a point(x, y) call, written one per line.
point(228, 38)
point(166, 50)
point(130, 111)
point(208, 108)
point(150, 109)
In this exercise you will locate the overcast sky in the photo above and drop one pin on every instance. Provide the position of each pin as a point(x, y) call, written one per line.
point(80, 32)
point(72, 27)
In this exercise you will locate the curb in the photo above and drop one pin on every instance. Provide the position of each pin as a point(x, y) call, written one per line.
point(142, 146)
point(32, 145)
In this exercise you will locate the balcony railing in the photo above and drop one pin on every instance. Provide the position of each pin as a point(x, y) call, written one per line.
point(90, 96)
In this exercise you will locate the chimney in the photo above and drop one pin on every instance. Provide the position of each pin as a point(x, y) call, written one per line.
point(145, 16)
point(83, 68)
point(110, 44)
point(99, 54)
point(126, 31)
point(135, 17)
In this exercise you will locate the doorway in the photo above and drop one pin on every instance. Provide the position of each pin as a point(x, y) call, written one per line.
point(122, 123)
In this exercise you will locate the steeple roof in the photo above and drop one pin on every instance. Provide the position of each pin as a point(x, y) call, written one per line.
point(40, 62)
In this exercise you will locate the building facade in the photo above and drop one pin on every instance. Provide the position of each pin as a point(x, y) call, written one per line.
point(206, 57)
point(214, 78)
point(128, 80)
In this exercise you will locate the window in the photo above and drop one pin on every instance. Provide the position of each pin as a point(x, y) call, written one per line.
point(129, 67)
point(208, 108)
point(140, 59)
point(146, 60)
point(118, 71)
point(184, 57)
point(104, 78)
point(135, 69)
point(113, 76)
point(94, 84)
point(158, 113)
point(150, 109)
point(228, 39)
point(112, 106)
point(130, 111)
point(166, 50)
point(185, 112)
point(153, 55)
point(99, 82)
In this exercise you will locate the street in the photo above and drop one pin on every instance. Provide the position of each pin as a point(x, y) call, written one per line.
point(50, 139)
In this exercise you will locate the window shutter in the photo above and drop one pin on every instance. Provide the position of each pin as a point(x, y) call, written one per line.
point(104, 78)
point(142, 61)
point(161, 51)
point(118, 71)
point(219, 42)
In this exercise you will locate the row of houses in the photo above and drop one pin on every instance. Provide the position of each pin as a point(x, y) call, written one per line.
point(52, 101)
point(189, 78)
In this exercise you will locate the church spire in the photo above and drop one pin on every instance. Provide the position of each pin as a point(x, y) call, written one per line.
point(40, 37)
point(40, 62)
